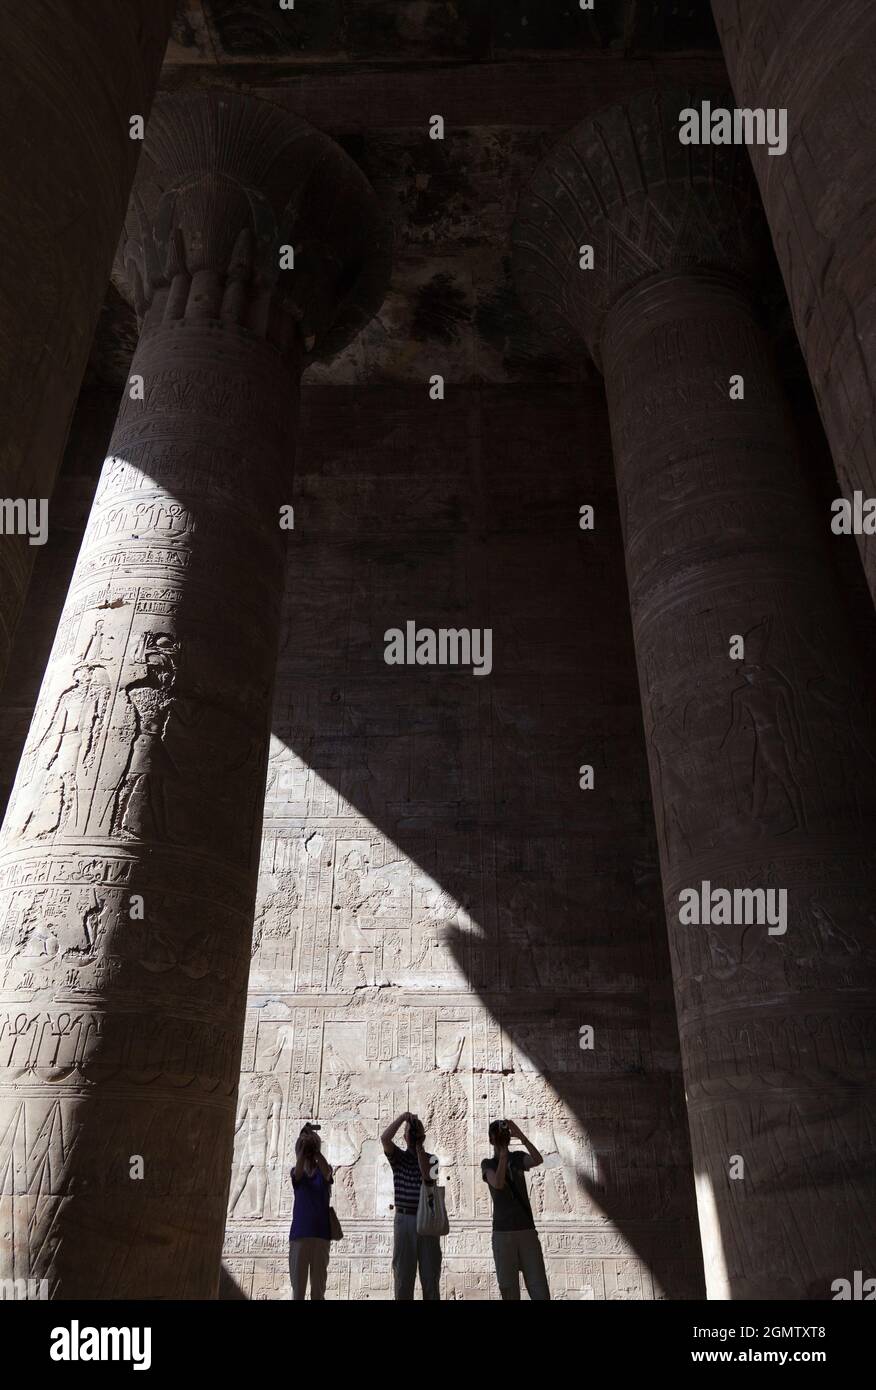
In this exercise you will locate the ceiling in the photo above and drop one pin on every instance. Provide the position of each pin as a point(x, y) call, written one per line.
point(508, 75)
point(431, 31)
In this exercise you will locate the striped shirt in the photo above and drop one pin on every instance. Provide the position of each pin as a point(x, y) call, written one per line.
point(407, 1179)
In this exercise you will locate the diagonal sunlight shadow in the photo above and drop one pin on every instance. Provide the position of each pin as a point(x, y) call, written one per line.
point(441, 907)
point(429, 864)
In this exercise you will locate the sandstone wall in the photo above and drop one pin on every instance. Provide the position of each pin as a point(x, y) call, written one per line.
point(441, 907)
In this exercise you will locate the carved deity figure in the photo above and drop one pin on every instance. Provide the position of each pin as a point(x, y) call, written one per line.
point(521, 926)
point(767, 702)
point(347, 1131)
point(258, 1122)
point(65, 751)
point(445, 1116)
point(541, 1113)
point(139, 809)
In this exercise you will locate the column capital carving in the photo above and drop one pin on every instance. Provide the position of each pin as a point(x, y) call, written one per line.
point(622, 182)
point(225, 182)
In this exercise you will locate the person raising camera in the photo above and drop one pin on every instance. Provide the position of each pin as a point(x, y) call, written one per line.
point(310, 1234)
point(411, 1167)
point(516, 1246)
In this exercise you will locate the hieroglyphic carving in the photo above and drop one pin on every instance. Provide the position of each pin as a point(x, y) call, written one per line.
point(488, 924)
point(363, 1002)
point(128, 857)
point(761, 767)
point(819, 201)
point(52, 286)
point(258, 1126)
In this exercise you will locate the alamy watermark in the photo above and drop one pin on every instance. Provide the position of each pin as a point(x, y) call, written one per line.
point(25, 516)
point(856, 1290)
point(721, 907)
point(77, 1343)
point(24, 1290)
point(854, 518)
point(443, 646)
point(742, 126)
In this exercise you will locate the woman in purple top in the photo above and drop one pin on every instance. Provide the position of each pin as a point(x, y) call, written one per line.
point(310, 1234)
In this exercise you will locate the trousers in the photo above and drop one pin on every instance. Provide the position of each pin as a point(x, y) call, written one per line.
point(410, 1252)
point(308, 1255)
point(516, 1253)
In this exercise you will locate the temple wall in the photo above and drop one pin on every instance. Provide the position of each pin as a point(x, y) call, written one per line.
point(441, 907)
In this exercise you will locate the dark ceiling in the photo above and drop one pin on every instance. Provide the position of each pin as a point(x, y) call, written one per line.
point(430, 31)
point(509, 77)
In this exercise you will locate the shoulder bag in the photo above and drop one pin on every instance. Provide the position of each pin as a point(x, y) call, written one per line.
point(432, 1211)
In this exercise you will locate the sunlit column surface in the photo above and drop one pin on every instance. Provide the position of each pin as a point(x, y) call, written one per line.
point(130, 847)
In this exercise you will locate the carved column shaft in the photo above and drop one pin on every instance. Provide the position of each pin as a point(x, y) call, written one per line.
point(130, 848)
point(756, 769)
point(143, 775)
point(68, 161)
point(761, 764)
point(815, 58)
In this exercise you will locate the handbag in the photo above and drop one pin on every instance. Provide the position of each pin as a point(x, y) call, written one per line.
point(432, 1211)
point(336, 1230)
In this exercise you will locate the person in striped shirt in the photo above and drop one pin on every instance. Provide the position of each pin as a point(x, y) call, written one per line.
point(411, 1167)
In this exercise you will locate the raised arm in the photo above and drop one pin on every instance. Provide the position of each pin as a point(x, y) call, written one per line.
point(298, 1170)
point(388, 1135)
point(306, 1145)
point(423, 1160)
point(497, 1179)
point(516, 1132)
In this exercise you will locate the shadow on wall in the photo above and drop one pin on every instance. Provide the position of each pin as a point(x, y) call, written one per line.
point(495, 884)
point(466, 865)
point(229, 1289)
point(110, 766)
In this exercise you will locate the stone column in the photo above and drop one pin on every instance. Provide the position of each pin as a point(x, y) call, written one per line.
point(71, 78)
point(763, 768)
point(129, 852)
point(816, 59)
